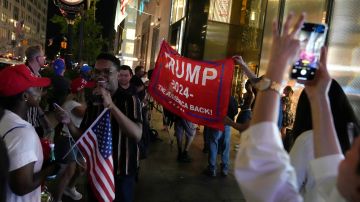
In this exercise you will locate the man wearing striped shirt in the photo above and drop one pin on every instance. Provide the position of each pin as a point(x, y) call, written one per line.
point(126, 123)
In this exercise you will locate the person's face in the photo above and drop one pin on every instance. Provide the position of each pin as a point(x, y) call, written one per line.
point(106, 71)
point(34, 96)
point(140, 73)
point(348, 181)
point(41, 59)
point(124, 77)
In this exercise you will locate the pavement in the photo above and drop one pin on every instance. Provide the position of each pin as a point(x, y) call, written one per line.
point(163, 179)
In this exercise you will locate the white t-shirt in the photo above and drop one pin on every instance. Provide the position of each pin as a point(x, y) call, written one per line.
point(300, 155)
point(69, 106)
point(24, 147)
point(264, 172)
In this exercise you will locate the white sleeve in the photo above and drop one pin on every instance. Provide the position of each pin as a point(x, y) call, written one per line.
point(262, 166)
point(325, 171)
point(21, 144)
point(301, 154)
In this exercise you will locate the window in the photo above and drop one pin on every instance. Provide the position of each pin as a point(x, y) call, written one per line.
point(3, 17)
point(23, 3)
point(178, 10)
point(220, 10)
point(6, 4)
point(16, 13)
point(29, 7)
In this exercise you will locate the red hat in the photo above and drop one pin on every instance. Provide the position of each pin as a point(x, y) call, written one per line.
point(79, 84)
point(18, 78)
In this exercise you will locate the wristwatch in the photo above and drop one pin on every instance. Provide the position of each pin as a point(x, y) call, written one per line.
point(267, 84)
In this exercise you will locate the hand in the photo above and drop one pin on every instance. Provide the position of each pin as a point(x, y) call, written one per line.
point(285, 46)
point(106, 96)
point(239, 60)
point(321, 83)
point(52, 167)
point(61, 115)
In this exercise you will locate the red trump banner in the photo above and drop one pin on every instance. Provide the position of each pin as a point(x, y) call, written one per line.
point(198, 91)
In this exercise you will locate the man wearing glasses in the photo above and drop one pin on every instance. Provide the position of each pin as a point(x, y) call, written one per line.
point(126, 123)
point(35, 59)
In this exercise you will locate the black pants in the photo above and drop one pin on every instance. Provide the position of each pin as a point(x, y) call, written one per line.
point(124, 188)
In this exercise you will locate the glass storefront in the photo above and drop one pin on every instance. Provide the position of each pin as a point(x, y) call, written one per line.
point(216, 29)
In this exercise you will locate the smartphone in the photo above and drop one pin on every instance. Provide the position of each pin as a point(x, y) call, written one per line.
point(312, 38)
point(97, 99)
point(56, 106)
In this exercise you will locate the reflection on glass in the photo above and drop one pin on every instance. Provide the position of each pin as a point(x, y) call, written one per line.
point(237, 33)
point(271, 14)
point(220, 10)
point(344, 49)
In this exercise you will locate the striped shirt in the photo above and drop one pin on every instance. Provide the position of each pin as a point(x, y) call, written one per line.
point(125, 150)
point(32, 116)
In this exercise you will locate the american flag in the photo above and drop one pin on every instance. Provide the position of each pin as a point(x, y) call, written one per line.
point(96, 145)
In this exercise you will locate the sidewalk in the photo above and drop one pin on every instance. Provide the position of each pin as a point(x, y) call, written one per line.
point(163, 179)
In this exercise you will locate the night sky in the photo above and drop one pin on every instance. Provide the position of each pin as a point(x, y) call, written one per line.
point(105, 14)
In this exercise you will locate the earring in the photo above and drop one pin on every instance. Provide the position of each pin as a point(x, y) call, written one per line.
point(26, 100)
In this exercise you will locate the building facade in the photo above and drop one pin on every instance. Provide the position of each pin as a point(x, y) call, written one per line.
point(217, 29)
point(22, 23)
point(151, 28)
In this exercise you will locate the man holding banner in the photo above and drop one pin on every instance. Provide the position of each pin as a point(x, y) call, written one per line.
point(126, 126)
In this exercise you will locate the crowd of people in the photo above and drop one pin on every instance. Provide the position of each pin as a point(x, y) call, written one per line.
point(323, 163)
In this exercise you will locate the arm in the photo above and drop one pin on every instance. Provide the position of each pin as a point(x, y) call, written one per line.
point(284, 49)
point(239, 61)
point(63, 117)
point(23, 148)
point(262, 166)
point(130, 128)
point(23, 180)
point(238, 126)
point(325, 138)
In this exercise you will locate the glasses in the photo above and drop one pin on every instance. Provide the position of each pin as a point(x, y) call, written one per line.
point(105, 72)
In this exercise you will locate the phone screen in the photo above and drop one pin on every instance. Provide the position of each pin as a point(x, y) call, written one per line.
point(312, 38)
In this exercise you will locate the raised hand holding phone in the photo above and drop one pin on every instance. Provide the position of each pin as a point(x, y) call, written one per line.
point(312, 38)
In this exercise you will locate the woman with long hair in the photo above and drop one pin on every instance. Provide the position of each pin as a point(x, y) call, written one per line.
point(302, 151)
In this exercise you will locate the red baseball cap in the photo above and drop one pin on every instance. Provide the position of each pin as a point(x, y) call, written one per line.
point(18, 78)
point(79, 84)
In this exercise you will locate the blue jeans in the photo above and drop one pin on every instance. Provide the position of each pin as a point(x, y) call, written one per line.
point(219, 140)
